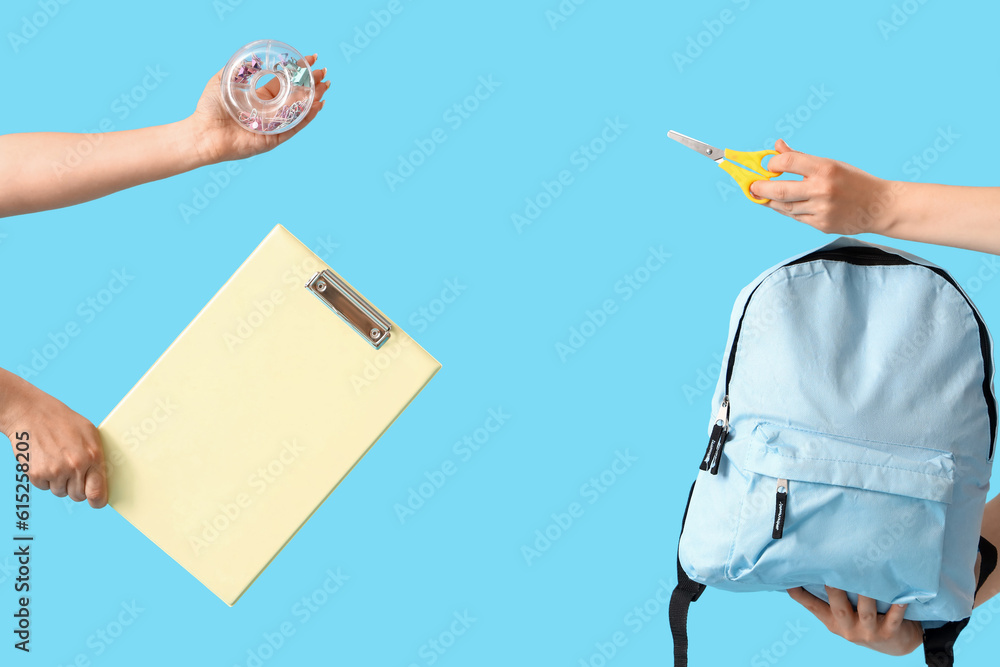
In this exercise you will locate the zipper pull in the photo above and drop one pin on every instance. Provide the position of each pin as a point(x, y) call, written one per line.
point(718, 438)
point(780, 503)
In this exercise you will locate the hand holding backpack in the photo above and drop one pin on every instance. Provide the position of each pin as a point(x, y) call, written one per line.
point(851, 442)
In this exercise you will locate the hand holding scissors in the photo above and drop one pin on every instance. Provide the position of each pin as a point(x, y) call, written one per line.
point(744, 167)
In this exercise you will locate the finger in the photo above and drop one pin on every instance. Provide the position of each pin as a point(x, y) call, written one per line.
point(96, 482)
point(42, 484)
point(819, 609)
point(271, 89)
point(74, 485)
point(313, 110)
point(306, 60)
point(783, 191)
point(841, 607)
point(321, 85)
point(96, 486)
point(893, 618)
point(782, 147)
point(807, 218)
point(321, 88)
point(58, 487)
point(867, 613)
point(794, 162)
point(797, 210)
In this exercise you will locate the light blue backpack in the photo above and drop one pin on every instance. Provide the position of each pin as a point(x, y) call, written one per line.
point(850, 444)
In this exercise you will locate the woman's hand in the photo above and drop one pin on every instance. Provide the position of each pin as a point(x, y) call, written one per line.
point(887, 633)
point(46, 170)
point(832, 196)
point(221, 138)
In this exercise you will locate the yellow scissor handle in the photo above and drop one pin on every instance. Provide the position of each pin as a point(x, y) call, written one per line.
point(752, 161)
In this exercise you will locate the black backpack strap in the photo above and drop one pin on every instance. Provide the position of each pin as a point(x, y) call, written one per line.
point(988, 562)
point(686, 592)
point(939, 643)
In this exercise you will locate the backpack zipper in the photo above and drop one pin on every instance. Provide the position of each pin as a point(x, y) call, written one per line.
point(780, 504)
point(716, 441)
point(867, 256)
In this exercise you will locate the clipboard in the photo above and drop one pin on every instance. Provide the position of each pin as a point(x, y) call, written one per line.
point(256, 412)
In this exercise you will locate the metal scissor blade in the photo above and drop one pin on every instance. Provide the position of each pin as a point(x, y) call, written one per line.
point(705, 149)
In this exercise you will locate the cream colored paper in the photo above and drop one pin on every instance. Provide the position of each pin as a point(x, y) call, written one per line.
point(251, 418)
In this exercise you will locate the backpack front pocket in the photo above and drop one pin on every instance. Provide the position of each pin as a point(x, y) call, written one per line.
point(864, 516)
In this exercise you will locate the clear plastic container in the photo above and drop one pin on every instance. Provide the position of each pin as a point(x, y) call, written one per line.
point(255, 66)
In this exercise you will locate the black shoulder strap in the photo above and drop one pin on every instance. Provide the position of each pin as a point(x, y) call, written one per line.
point(988, 562)
point(686, 592)
point(939, 643)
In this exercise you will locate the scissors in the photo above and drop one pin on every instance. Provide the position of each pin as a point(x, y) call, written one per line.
point(750, 167)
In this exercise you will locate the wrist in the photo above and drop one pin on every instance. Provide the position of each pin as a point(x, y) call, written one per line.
point(196, 144)
point(890, 201)
point(11, 400)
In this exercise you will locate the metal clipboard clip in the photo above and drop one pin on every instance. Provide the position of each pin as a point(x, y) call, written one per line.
point(351, 306)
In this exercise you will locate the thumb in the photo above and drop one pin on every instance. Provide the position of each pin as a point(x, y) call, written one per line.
point(783, 147)
point(96, 486)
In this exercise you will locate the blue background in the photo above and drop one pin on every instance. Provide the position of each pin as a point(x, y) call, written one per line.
point(640, 384)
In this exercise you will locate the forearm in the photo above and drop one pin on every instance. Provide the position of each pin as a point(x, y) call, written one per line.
point(953, 215)
point(46, 170)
